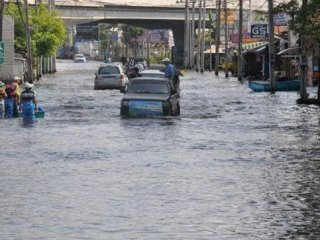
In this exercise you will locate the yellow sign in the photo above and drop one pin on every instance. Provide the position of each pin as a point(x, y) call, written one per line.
point(231, 17)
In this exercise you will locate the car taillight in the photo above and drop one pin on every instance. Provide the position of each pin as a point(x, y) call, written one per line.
point(121, 77)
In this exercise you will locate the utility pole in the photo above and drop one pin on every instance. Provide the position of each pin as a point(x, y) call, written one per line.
point(203, 35)
point(1, 18)
point(186, 57)
point(303, 60)
point(240, 41)
point(272, 57)
point(191, 59)
point(217, 57)
point(226, 55)
point(29, 53)
point(148, 48)
point(199, 35)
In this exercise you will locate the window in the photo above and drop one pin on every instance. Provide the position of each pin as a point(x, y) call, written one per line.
point(109, 70)
point(148, 87)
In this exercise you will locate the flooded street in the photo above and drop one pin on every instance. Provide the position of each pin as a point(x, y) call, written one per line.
point(234, 165)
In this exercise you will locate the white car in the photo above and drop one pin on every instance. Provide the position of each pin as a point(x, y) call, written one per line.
point(111, 76)
point(79, 58)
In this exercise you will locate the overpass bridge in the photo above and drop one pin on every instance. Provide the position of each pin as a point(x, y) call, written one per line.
point(149, 17)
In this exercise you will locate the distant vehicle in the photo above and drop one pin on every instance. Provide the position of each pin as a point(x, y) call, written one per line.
point(135, 61)
point(79, 58)
point(111, 76)
point(150, 97)
point(152, 73)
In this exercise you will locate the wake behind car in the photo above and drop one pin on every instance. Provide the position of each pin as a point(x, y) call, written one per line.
point(150, 97)
point(111, 76)
point(79, 58)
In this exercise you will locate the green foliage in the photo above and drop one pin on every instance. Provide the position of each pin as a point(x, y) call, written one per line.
point(104, 36)
point(304, 20)
point(130, 32)
point(47, 30)
point(212, 28)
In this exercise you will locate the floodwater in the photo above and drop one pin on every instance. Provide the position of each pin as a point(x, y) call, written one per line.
point(234, 165)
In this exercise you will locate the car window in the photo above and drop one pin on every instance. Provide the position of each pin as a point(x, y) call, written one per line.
point(109, 70)
point(148, 87)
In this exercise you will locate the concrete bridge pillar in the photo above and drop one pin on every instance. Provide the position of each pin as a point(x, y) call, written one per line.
point(178, 50)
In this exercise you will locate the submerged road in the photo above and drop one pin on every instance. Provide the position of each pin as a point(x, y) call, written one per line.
point(234, 165)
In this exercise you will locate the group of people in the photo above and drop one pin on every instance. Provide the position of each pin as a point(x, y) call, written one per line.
point(12, 101)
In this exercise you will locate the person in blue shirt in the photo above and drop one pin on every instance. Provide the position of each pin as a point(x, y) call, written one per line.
point(28, 103)
point(169, 69)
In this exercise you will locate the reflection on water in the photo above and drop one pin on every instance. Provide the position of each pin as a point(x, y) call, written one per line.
point(234, 165)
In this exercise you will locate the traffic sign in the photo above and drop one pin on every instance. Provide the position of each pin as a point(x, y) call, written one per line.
point(1, 52)
point(259, 30)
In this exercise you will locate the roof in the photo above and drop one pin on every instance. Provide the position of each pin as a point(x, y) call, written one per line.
point(291, 51)
point(151, 71)
point(151, 79)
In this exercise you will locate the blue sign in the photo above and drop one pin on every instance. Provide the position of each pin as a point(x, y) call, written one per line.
point(280, 19)
point(259, 30)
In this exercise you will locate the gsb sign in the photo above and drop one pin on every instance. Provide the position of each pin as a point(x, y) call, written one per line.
point(259, 30)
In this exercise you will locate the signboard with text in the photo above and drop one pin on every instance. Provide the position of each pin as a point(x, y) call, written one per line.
point(1, 52)
point(259, 30)
point(280, 19)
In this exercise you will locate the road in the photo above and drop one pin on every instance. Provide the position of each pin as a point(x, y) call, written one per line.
point(234, 165)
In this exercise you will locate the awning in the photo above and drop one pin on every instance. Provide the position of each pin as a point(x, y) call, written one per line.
point(289, 51)
point(253, 46)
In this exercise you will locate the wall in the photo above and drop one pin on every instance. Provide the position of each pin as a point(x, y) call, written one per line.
point(7, 69)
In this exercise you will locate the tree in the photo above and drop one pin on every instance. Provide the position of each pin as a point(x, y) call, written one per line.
point(132, 33)
point(305, 22)
point(47, 30)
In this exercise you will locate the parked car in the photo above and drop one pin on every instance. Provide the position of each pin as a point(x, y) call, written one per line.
point(152, 73)
point(111, 76)
point(150, 97)
point(79, 58)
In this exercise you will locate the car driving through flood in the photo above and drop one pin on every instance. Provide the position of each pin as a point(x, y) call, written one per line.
point(150, 97)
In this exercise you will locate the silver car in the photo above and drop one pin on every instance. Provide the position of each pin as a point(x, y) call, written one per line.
point(111, 76)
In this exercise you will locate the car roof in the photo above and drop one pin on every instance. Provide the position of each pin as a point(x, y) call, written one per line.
point(149, 79)
point(151, 71)
point(111, 64)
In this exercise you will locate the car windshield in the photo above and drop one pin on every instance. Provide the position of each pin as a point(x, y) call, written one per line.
point(148, 87)
point(109, 70)
point(79, 56)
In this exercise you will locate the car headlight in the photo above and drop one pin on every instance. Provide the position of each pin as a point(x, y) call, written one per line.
point(125, 103)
